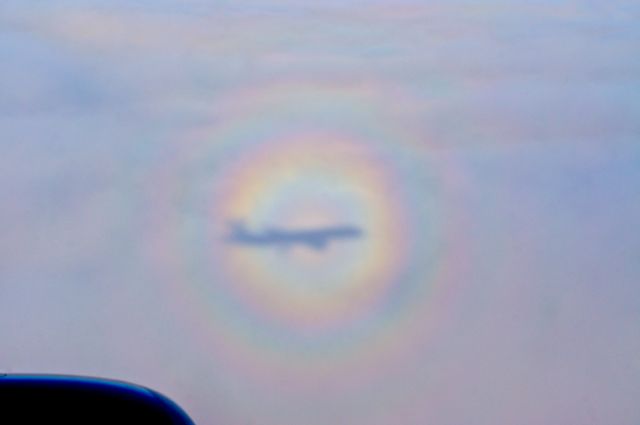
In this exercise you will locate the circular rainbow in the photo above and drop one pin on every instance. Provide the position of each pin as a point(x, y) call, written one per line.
point(308, 156)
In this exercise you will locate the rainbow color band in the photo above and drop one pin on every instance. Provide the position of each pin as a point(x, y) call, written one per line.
point(309, 156)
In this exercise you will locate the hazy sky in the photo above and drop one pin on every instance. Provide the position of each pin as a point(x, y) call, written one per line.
point(490, 151)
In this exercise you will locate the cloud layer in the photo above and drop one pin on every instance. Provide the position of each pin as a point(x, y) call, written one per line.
point(495, 145)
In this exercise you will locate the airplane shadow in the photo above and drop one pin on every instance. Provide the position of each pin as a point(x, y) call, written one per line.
point(318, 238)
